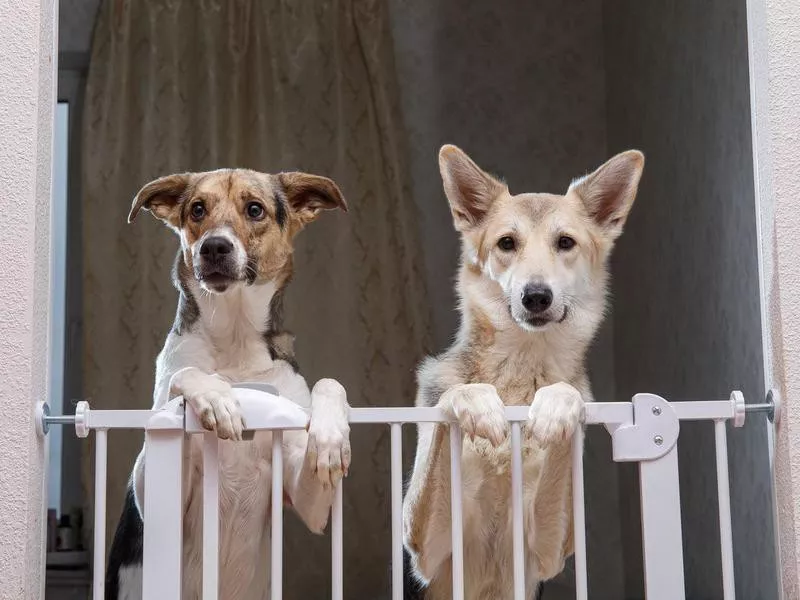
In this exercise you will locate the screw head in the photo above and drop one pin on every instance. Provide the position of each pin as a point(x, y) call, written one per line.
point(656, 410)
point(658, 440)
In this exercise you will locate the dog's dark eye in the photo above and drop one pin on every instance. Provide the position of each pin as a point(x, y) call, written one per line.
point(198, 211)
point(566, 243)
point(255, 211)
point(506, 243)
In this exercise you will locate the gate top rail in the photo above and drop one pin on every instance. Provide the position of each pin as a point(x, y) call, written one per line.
point(260, 416)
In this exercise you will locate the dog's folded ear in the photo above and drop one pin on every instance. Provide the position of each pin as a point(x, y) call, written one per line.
point(162, 197)
point(469, 189)
point(609, 192)
point(308, 195)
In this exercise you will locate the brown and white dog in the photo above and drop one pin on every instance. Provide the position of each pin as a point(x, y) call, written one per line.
point(532, 285)
point(236, 229)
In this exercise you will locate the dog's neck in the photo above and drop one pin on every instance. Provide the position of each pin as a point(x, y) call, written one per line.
point(488, 330)
point(245, 309)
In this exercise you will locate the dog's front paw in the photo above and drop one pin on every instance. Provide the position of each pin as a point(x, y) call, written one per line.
point(212, 400)
point(479, 410)
point(555, 413)
point(328, 452)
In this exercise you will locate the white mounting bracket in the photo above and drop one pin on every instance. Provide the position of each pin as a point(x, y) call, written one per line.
point(652, 434)
point(44, 419)
point(739, 408)
point(82, 419)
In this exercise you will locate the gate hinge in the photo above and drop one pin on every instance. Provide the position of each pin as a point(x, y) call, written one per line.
point(653, 433)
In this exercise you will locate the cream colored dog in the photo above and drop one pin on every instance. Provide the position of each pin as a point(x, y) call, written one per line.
point(533, 285)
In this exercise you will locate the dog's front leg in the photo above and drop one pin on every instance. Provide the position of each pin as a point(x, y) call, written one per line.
point(328, 452)
point(185, 367)
point(555, 415)
point(319, 458)
point(426, 507)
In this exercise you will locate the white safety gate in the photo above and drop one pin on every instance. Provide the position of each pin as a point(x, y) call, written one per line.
point(644, 431)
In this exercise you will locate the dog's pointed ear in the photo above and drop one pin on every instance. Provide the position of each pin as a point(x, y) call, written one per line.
point(162, 197)
point(469, 189)
point(308, 195)
point(609, 192)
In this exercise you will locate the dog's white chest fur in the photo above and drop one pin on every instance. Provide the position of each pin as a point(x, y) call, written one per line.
point(232, 325)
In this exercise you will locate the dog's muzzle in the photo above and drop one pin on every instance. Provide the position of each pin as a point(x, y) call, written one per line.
point(216, 265)
point(545, 319)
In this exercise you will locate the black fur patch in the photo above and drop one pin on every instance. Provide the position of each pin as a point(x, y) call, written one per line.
point(280, 209)
point(126, 549)
point(188, 310)
point(279, 341)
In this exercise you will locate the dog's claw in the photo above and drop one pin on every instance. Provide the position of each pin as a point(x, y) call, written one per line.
point(479, 410)
point(213, 401)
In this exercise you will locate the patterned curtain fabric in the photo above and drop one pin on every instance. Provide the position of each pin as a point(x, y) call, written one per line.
point(271, 85)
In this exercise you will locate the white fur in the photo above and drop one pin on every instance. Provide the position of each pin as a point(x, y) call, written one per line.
point(479, 411)
point(555, 412)
point(130, 583)
point(225, 345)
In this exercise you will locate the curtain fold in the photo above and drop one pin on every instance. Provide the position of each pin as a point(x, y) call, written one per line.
point(270, 85)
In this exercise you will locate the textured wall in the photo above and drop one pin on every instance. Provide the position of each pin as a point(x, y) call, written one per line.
point(776, 75)
point(687, 313)
point(26, 120)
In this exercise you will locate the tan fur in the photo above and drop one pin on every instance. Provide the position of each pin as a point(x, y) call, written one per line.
point(505, 356)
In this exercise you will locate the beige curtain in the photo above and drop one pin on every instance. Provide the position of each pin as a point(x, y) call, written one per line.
point(275, 84)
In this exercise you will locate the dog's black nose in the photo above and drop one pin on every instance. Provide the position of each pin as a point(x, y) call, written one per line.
point(216, 248)
point(537, 298)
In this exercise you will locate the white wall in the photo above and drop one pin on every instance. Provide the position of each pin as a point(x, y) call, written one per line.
point(775, 32)
point(27, 59)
